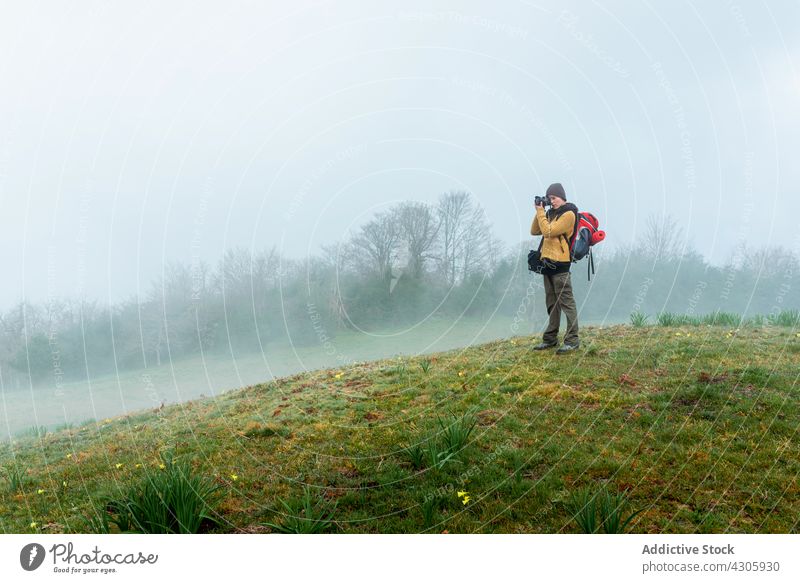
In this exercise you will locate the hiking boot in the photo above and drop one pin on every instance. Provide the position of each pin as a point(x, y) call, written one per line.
point(544, 346)
point(567, 348)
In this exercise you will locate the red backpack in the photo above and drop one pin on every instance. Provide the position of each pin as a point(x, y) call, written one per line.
point(584, 237)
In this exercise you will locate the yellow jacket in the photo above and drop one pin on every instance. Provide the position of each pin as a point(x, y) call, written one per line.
point(556, 234)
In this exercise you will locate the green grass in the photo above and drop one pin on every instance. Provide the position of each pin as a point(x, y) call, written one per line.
point(583, 507)
point(669, 319)
point(218, 372)
point(416, 455)
point(696, 425)
point(784, 318)
point(309, 514)
point(425, 365)
point(613, 512)
point(456, 430)
point(14, 476)
point(430, 508)
point(173, 499)
point(723, 319)
point(33, 432)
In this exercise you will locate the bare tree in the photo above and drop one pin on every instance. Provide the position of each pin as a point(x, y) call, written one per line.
point(165, 317)
point(325, 271)
point(232, 277)
point(768, 262)
point(264, 277)
point(452, 210)
point(375, 246)
point(480, 246)
point(466, 243)
point(17, 326)
point(419, 228)
point(663, 238)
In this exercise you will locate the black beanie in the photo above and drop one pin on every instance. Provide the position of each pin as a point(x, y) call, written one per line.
point(556, 189)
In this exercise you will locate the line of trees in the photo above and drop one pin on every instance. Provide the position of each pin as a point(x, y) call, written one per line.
point(410, 262)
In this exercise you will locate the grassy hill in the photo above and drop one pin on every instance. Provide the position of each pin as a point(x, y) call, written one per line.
point(697, 426)
point(57, 405)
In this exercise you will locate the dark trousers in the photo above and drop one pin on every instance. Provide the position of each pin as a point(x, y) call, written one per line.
point(558, 296)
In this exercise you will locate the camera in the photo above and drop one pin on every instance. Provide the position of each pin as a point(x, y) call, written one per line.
point(541, 200)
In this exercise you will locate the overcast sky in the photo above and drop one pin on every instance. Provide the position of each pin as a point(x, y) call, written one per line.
point(134, 133)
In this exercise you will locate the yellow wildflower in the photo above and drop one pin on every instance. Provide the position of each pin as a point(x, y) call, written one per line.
point(138, 466)
point(465, 500)
point(461, 374)
point(69, 456)
point(118, 466)
point(161, 466)
point(461, 493)
point(64, 483)
point(40, 491)
point(34, 524)
point(234, 477)
point(677, 334)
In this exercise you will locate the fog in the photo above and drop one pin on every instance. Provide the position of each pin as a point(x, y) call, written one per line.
point(198, 196)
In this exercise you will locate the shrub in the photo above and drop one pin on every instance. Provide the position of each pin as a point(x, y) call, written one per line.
point(667, 319)
point(723, 319)
point(425, 364)
point(438, 455)
point(169, 501)
point(36, 431)
point(455, 435)
point(307, 515)
point(443, 448)
point(15, 477)
point(98, 522)
point(583, 507)
point(600, 511)
point(395, 370)
point(611, 508)
point(787, 318)
point(416, 455)
point(429, 508)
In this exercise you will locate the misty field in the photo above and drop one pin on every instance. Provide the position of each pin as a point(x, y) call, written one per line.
point(689, 428)
point(45, 406)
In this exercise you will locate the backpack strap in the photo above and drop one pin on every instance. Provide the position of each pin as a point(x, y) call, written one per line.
point(574, 232)
point(541, 241)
